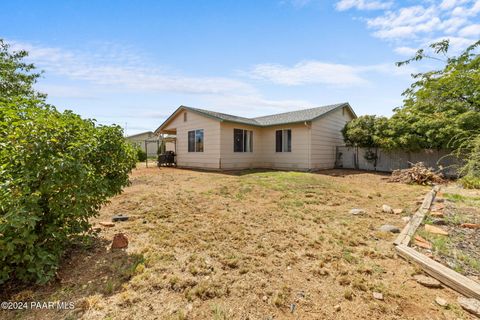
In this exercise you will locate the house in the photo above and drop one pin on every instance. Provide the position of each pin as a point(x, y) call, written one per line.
point(298, 140)
point(149, 142)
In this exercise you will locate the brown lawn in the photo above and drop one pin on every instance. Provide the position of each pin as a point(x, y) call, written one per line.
point(249, 245)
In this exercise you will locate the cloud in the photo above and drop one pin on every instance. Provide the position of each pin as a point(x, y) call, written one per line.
point(343, 5)
point(470, 31)
point(418, 25)
point(319, 72)
point(123, 70)
point(308, 72)
point(405, 51)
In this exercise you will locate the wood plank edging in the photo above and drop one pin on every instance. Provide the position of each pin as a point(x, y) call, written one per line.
point(411, 227)
point(445, 275)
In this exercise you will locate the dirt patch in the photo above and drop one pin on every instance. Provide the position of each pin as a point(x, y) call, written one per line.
point(248, 245)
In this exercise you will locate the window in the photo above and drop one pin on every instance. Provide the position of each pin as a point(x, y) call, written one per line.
point(283, 140)
point(184, 117)
point(242, 140)
point(195, 140)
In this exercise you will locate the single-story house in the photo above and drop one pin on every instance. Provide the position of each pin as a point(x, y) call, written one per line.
point(149, 142)
point(298, 140)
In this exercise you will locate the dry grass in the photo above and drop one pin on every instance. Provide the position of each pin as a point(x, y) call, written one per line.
point(250, 245)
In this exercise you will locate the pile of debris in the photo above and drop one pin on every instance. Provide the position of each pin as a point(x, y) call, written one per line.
point(417, 174)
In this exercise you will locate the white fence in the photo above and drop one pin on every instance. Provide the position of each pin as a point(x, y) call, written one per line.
point(387, 161)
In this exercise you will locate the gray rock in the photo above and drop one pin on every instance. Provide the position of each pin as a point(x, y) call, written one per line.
point(441, 302)
point(470, 304)
point(389, 228)
point(427, 281)
point(378, 296)
point(337, 308)
point(357, 212)
point(387, 209)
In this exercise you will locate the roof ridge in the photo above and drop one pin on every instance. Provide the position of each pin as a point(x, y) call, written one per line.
point(300, 110)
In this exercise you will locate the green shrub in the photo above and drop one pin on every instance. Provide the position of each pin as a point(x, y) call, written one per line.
point(141, 155)
point(56, 171)
point(470, 171)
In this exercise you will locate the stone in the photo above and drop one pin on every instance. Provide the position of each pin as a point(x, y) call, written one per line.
point(398, 211)
point(439, 222)
point(120, 241)
point(438, 207)
point(470, 225)
point(427, 281)
point(378, 296)
point(337, 308)
point(422, 243)
point(387, 209)
point(106, 224)
point(470, 304)
point(357, 212)
point(435, 230)
point(405, 219)
point(389, 228)
point(119, 218)
point(265, 298)
point(441, 302)
point(292, 307)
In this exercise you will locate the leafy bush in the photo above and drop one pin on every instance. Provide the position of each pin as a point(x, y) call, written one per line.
point(471, 169)
point(56, 171)
point(141, 155)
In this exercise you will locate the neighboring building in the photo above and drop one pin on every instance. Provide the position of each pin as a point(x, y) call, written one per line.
point(139, 141)
point(300, 140)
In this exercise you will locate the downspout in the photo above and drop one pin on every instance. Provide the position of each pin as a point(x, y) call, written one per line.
point(309, 145)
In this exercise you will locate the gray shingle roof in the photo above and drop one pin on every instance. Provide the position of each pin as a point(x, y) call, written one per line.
point(275, 119)
point(265, 121)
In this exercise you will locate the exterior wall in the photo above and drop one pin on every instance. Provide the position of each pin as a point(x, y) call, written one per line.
point(139, 141)
point(326, 135)
point(297, 159)
point(210, 157)
point(239, 160)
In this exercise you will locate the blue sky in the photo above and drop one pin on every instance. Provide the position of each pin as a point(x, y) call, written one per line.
point(134, 62)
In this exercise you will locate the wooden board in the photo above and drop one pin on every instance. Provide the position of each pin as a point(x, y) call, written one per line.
point(445, 275)
point(411, 227)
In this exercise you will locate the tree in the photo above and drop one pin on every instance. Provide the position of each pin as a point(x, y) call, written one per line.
point(441, 106)
point(56, 171)
point(16, 76)
point(365, 131)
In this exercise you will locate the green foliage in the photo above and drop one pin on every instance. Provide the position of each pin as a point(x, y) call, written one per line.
point(56, 171)
point(470, 150)
point(365, 131)
point(439, 109)
point(141, 155)
point(16, 76)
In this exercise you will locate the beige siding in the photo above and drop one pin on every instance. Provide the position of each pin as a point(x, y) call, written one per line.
point(325, 136)
point(239, 160)
point(210, 157)
point(297, 159)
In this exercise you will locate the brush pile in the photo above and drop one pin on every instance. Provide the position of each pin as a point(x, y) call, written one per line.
point(417, 174)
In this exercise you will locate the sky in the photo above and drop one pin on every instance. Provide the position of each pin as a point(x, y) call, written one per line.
point(133, 63)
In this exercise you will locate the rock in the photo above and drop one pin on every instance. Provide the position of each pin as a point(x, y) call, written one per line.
point(387, 209)
point(441, 302)
point(265, 298)
point(378, 296)
point(106, 224)
point(120, 241)
point(337, 308)
point(389, 228)
point(119, 218)
point(470, 304)
point(435, 230)
point(470, 225)
point(292, 307)
point(438, 207)
point(405, 219)
point(427, 281)
point(357, 212)
point(422, 243)
point(398, 211)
